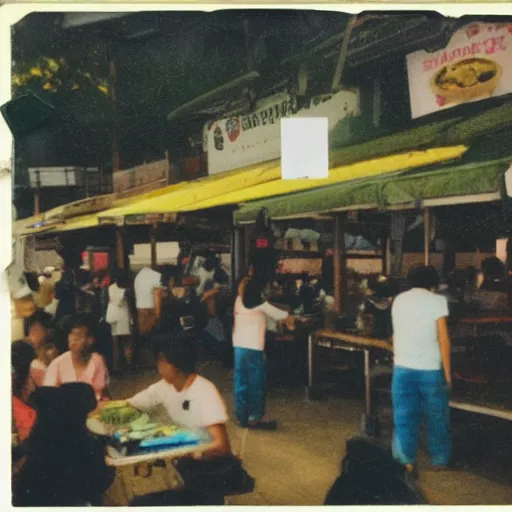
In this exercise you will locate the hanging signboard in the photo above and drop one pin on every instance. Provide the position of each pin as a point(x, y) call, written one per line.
point(475, 65)
point(255, 138)
point(140, 179)
point(44, 177)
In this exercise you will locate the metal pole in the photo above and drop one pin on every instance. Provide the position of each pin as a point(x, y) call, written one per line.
point(339, 264)
point(236, 256)
point(310, 361)
point(311, 393)
point(367, 383)
point(120, 248)
point(426, 224)
point(37, 194)
point(153, 247)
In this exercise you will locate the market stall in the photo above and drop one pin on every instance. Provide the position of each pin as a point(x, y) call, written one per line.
point(412, 199)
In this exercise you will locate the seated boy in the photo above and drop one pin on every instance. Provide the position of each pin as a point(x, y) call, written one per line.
point(190, 400)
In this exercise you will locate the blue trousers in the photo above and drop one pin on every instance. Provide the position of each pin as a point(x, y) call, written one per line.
point(417, 394)
point(249, 385)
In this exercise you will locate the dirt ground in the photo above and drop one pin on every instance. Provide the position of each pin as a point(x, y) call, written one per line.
point(297, 464)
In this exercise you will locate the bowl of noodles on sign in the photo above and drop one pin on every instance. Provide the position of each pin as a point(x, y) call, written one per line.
point(466, 80)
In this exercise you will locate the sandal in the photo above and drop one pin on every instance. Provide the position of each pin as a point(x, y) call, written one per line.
point(411, 473)
point(264, 425)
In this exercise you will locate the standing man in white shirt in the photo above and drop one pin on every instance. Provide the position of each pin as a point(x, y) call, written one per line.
point(422, 370)
point(147, 287)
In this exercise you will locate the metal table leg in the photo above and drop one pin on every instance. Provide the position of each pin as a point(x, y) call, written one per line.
point(311, 395)
point(370, 424)
point(367, 383)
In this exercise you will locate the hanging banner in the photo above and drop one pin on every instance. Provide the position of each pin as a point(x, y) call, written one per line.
point(475, 65)
point(237, 142)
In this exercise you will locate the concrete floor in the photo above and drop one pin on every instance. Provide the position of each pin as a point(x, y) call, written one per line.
point(297, 464)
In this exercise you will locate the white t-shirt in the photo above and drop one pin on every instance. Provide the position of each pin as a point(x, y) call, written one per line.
point(205, 405)
point(415, 342)
point(145, 282)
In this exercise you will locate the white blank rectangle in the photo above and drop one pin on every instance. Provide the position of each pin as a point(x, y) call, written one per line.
point(304, 148)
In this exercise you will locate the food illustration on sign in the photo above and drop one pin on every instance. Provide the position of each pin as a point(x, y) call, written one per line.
point(218, 138)
point(233, 128)
point(466, 80)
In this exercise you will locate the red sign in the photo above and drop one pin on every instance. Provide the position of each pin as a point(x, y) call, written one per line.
point(262, 243)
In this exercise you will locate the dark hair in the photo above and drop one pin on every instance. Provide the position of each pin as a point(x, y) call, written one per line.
point(169, 272)
point(423, 276)
point(493, 269)
point(39, 317)
point(122, 279)
point(22, 355)
point(253, 293)
point(81, 321)
point(210, 263)
point(32, 281)
point(382, 290)
point(179, 350)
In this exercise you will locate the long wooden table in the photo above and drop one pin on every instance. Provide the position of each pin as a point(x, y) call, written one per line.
point(336, 340)
point(479, 321)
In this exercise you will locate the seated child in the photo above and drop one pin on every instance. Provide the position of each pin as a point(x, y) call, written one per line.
point(190, 400)
point(80, 363)
point(24, 415)
point(38, 337)
point(64, 463)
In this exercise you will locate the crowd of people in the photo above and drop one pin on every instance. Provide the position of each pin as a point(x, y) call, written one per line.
point(83, 332)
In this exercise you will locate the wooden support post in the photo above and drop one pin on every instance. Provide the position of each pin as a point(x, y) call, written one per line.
point(426, 225)
point(154, 260)
point(37, 194)
point(120, 259)
point(339, 264)
point(340, 65)
point(387, 257)
point(247, 245)
point(37, 201)
point(236, 256)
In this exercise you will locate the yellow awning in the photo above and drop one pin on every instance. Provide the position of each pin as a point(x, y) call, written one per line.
point(184, 196)
point(20, 226)
point(82, 222)
point(365, 169)
point(242, 186)
point(239, 186)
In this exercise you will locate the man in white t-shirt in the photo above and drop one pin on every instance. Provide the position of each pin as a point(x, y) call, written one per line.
point(147, 301)
point(422, 369)
point(190, 400)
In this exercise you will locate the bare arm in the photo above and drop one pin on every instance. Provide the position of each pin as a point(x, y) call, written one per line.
point(446, 351)
point(222, 448)
point(157, 298)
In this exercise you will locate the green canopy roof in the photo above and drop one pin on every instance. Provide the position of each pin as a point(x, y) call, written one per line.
point(475, 178)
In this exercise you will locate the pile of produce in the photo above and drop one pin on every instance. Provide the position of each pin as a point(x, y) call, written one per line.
point(118, 413)
point(142, 428)
point(131, 431)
